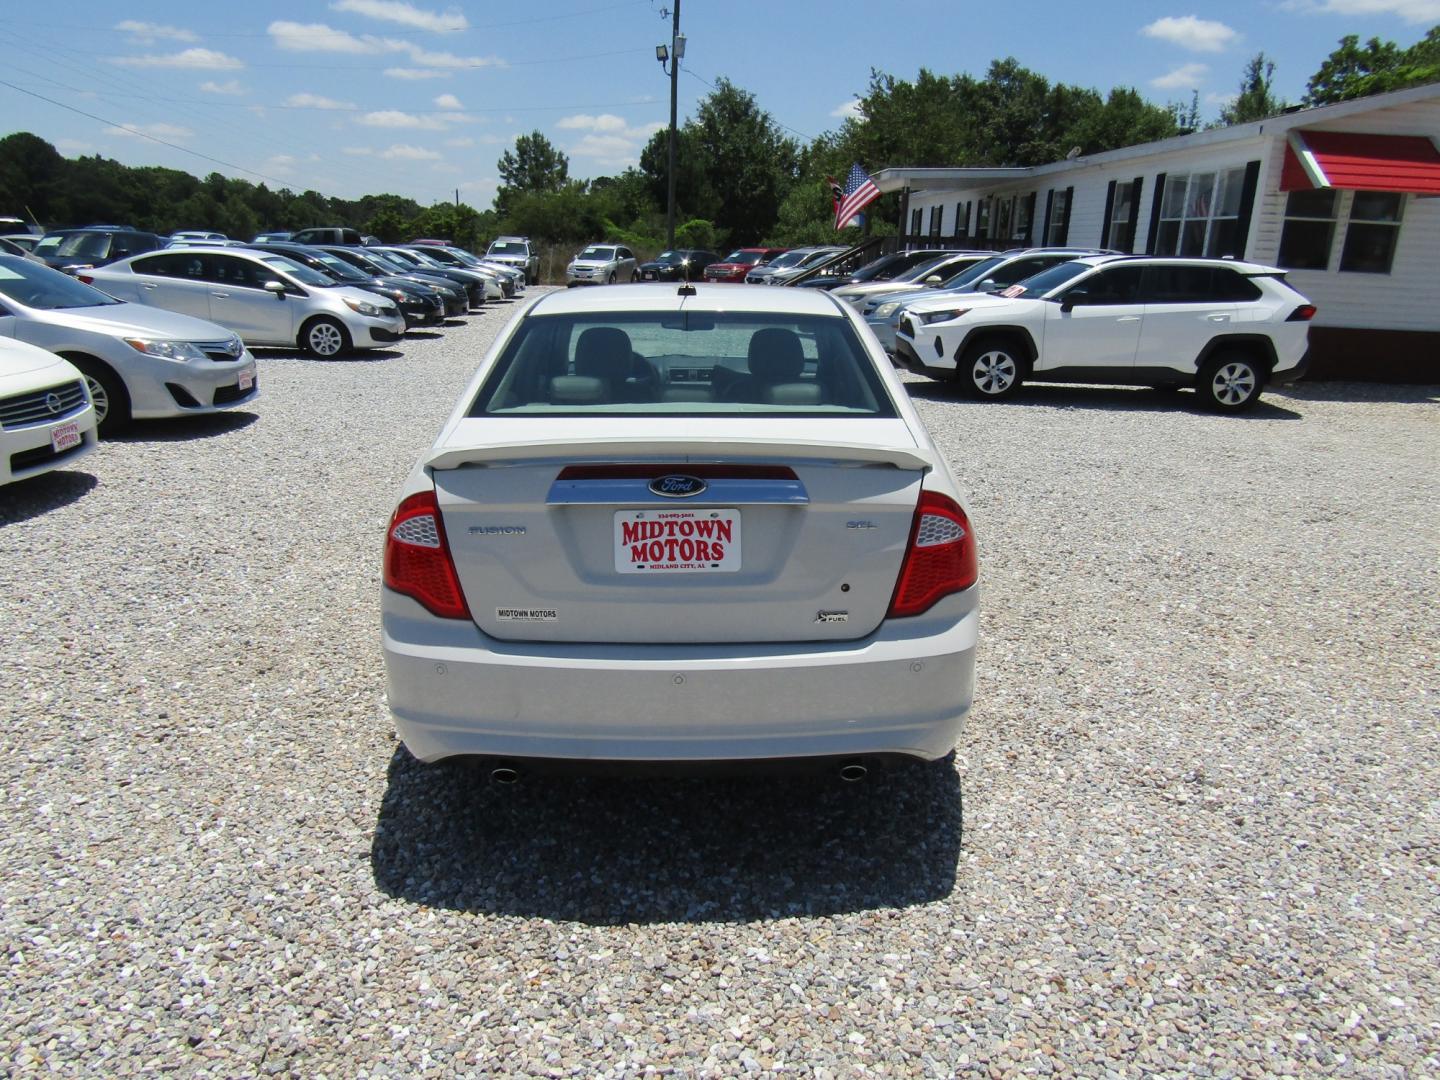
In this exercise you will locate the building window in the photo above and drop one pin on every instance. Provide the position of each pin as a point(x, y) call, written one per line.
point(1004, 209)
point(1200, 214)
point(935, 214)
point(982, 223)
point(1309, 229)
point(916, 217)
point(1371, 235)
point(1059, 218)
point(962, 218)
point(1122, 226)
point(1024, 207)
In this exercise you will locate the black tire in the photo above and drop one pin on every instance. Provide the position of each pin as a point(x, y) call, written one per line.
point(107, 393)
point(634, 276)
point(324, 338)
point(992, 369)
point(611, 279)
point(1230, 382)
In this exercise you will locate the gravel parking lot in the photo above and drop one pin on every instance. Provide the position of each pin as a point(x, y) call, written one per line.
point(1201, 825)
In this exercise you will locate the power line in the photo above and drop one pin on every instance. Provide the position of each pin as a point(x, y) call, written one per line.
point(143, 134)
point(777, 123)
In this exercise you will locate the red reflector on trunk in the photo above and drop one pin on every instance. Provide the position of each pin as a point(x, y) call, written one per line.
point(940, 559)
point(1303, 313)
point(417, 558)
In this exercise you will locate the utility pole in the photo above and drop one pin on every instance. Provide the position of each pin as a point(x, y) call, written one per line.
point(674, 90)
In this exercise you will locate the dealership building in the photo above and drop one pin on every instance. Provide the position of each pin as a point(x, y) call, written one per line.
point(1345, 197)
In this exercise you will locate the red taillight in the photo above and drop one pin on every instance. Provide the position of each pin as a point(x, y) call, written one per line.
point(1303, 313)
point(941, 557)
point(417, 558)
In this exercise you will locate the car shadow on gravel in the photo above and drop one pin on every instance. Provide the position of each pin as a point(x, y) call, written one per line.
point(1339, 390)
point(608, 851)
point(1102, 399)
point(360, 356)
point(184, 428)
point(26, 499)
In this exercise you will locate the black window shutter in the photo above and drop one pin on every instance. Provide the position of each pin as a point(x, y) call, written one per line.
point(1137, 185)
point(1049, 206)
point(1029, 218)
point(1065, 224)
point(1247, 207)
point(1105, 221)
point(1155, 214)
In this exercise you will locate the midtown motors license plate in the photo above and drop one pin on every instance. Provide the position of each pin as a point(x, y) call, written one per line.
point(64, 437)
point(703, 540)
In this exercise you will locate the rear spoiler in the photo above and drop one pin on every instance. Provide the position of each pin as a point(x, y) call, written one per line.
point(675, 452)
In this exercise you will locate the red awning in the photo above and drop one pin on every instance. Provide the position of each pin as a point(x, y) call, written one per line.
point(1339, 159)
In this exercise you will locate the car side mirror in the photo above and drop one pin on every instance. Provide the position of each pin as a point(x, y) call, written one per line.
point(988, 285)
point(1073, 297)
point(933, 279)
point(276, 287)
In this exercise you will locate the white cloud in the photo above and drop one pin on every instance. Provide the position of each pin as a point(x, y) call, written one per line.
point(357, 151)
point(394, 118)
point(231, 88)
point(1185, 77)
point(1190, 32)
point(159, 131)
point(315, 101)
point(463, 140)
point(147, 33)
point(74, 146)
point(1223, 100)
point(406, 14)
point(317, 37)
point(585, 122)
point(849, 110)
point(280, 165)
point(416, 73)
point(1411, 11)
point(197, 59)
point(448, 101)
point(405, 152)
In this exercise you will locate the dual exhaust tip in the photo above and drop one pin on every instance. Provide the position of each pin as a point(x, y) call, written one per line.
point(852, 772)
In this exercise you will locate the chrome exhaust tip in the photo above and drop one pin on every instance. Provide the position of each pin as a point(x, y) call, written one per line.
point(853, 773)
point(504, 774)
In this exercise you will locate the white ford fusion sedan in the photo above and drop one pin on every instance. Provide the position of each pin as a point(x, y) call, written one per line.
point(682, 525)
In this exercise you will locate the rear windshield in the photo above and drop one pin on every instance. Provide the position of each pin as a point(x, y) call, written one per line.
point(683, 364)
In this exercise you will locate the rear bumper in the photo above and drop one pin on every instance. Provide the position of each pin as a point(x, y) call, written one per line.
point(904, 690)
point(1286, 376)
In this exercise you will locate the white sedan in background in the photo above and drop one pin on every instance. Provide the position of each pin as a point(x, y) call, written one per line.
point(138, 361)
point(602, 264)
point(46, 419)
point(701, 524)
point(265, 298)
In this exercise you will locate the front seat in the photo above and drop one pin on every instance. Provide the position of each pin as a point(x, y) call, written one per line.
point(776, 360)
point(604, 363)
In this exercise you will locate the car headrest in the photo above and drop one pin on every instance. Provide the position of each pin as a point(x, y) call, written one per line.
point(603, 352)
point(776, 355)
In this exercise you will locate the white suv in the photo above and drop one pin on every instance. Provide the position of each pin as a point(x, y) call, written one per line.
point(1225, 328)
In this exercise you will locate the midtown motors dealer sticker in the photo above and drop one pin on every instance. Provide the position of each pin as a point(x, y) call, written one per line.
point(703, 540)
point(526, 614)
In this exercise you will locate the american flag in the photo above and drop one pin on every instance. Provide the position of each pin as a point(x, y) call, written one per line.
point(860, 192)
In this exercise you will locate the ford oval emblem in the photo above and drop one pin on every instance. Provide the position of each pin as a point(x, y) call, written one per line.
point(675, 486)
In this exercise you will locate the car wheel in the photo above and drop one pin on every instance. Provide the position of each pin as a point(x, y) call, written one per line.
point(634, 276)
point(324, 337)
point(1230, 382)
point(611, 279)
point(991, 370)
point(108, 395)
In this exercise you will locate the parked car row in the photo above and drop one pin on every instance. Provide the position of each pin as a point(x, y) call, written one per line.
point(992, 321)
point(168, 331)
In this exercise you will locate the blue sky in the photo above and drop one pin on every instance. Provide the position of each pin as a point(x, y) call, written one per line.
point(419, 97)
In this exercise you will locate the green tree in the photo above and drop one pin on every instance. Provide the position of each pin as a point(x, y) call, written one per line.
point(1355, 71)
point(749, 161)
point(1256, 101)
point(534, 165)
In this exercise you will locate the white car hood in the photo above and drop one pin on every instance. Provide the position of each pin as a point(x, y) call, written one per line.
point(973, 301)
point(139, 320)
point(22, 365)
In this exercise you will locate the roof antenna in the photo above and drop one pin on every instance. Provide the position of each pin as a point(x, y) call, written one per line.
point(686, 290)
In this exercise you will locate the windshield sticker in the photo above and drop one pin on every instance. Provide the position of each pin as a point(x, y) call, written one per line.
point(1013, 290)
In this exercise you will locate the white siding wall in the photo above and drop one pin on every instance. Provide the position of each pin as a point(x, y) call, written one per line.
point(1407, 298)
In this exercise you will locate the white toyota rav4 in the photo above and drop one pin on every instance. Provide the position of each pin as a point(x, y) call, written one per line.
point(1225, 328)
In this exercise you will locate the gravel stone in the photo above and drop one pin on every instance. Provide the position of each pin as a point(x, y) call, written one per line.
point(1200, 820)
